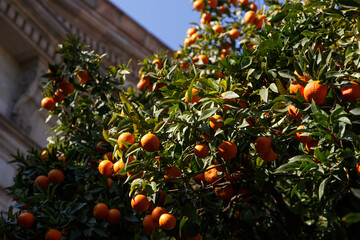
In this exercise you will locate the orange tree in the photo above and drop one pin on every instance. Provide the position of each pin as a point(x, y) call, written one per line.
point(249, 132)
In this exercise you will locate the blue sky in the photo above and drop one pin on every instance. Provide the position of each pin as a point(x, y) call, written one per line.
point(168, 20)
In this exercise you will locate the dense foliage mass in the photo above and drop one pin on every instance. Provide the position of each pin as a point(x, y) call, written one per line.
point(251, 131)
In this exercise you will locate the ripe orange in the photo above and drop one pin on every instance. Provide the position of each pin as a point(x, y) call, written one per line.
point(118, 166)
point(213, 3)
point(206, 18)
point(211, 175)
point(350, 93)
point(294, 87)
point(149, 224)
point(310, 145)
point(269, 156)
point(48, 103)
point(191, 31)
point(227, 150)
point(225, 107)
point(199, 178)
point(140, 203)
point(43, 181)
point(25, 220)
point(172, 172)
point(110, 181)
point(150, 142)
point(158, 63)
point(113, 216)
point(125, 137)
point(201, 150)
point(58, 96)
point(56, 176)
point(140, 86)
point(259, 21)
point(83, 76)
point(217, 28)
point(100, 211)
point(106, 167)
point(358, 168)
point(303, 139)
point(189, 41)
point(224, 192)
point(249, 16)
point(234, 34)
point(263, 145)
point(244, 3)
point(294, 113)
point(199, 5)
point(66, 87)
point(203, 58)
point(253, 7)
point(167, 221)
point(216, 122)
point(315, 91)
point(53, 234)
point(222, 9)
point(44, 154)
point(195, 98)
point(157, 212)
point(232, 2)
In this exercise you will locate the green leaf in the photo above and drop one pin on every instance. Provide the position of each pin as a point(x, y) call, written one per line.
point(182, 222)
point(351, 218)
point(356, 192)
point(159, 127)
point(208, 113)
point(264, 94)
point(334, 74)
point(245, 62)
point(322, 187)
point(278, 17)
point(355, 111)
point(350, 3)
point(280, 87)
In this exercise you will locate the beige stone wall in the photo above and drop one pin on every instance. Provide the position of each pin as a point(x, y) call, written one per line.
point(29, 34)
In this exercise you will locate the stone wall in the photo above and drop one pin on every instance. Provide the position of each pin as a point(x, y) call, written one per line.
point(29, 34)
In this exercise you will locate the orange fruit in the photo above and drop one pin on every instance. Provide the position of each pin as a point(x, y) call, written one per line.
point(100, 211)
point(199, 5)
point(191, 31)
point(217, 28)
point(140, 86)
point(189, 41)
point(83, 76)
point(199, 178)
point(315, 91)
point(150, 142)
point(66, 87)
point(149, 224)
point(140, 203)
point(172, 172)
point(158, 63)
point(234, 34)
point(127, 138)
point(227, 150)
point(259, 21)
point(303, 78)
point(213, 3)
point(53, 234)
point(358, 168)
point(201, 150)
point(211, 175)
point(58, 96)
point(269, 156)
point(118, 166)
point(300, 138)
point(224, 192)
point(263, 145)
point(206, 18)
point(113, 216)
point(106, 167)
point(253, 7)
point(204, 60)
point(157, 212)
point(232, 2)
point(110, 181)
point(249, 17)
point(310, 145)
point(195, 98)
point(294, 113)
point(43, 181)
point(351, 92)
point(222, 9)
point(44, 154)
point(216, 122)
point(25, 220)
point(167, 221)
point(294, 87)
point(48, 103)
point(225, 107)
point(244, 3)
point(56, 176)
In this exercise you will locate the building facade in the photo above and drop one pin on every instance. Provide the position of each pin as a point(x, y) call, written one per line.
point(30, 32)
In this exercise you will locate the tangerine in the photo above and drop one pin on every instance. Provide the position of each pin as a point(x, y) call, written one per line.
point(150, 142)
point(315, 91)
point(100, 211)
point(43, 181)
point(263, 145)
point(25, 220)
point(53, 234)
point(167, 221)
point(83, 76)
point(249, 17)
point(201, 150)
point(140, 203)
point(56, 176)
point(195, 98)
point(351, 92)
point(227, 150)
point(216, 122)
point(48, 103)
point(106, 167)
point(113, 216)
point(125, 137)
point(224, 192)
